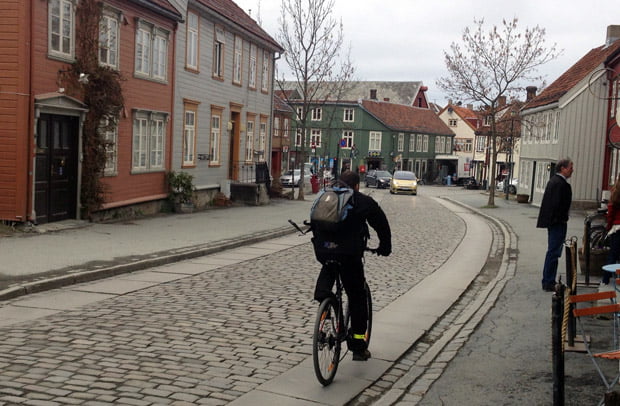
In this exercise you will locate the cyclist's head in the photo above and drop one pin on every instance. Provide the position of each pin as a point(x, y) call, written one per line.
point(351, 178)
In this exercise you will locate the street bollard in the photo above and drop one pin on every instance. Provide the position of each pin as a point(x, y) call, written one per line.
point(557, 352)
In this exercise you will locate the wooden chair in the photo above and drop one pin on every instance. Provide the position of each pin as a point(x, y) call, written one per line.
point(612, 309)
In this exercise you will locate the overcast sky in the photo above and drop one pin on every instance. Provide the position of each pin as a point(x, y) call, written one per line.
point(404, 40)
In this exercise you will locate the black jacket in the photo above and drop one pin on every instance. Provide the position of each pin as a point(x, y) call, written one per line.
point(351, 241)
point(555, 203)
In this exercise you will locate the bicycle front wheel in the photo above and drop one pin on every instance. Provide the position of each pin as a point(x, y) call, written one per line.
point(325, 342)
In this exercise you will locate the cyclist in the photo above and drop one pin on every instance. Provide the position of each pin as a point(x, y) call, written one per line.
point(348, 249)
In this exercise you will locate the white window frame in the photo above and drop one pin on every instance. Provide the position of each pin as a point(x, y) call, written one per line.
point(148, 141)
point(425, 143)
point(252, 67)
point(452, 122)
point(401, 142)
point(300, 112)
point(262, 137)
point(276, 127)
point(374, 141)
point(249, 140)
point(411, 142)
point(265, 74)
point(193, 40)
point(298, 137)
point(348, 115)
point(287, 126)
point(237, 60)
point(317, 114)
point(348, 136)
point(64, 18)
point(315, 137)
point(189, 135)
point(218, 52)
point(480, 144)
point(109, 40)
point(151, 58)
point(216, 136)
point(419, 142)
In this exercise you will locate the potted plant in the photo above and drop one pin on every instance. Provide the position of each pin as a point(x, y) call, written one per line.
point(181, 191)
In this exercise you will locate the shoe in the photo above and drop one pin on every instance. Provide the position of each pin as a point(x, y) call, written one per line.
point(361, 355)
point(549, 288)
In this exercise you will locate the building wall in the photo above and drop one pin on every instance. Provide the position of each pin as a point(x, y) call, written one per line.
point(14, 109)
point(200, 86)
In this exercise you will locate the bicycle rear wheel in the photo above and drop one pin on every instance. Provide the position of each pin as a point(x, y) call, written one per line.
point(325, 342)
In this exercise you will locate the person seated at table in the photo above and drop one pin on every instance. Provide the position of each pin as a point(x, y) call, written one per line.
point(613, 227)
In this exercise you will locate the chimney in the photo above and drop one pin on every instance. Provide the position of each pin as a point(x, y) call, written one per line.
point(613, 34)
point(531, 92)
point(386, 99)
point(501, 101)
point(470, 106)
point(373, 94)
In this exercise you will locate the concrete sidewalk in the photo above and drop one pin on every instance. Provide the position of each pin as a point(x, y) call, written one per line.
point(69, 252)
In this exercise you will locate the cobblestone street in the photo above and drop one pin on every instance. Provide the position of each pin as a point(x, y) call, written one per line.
point(210, 337)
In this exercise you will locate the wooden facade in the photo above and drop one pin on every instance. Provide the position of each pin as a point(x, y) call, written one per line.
point(41, 132)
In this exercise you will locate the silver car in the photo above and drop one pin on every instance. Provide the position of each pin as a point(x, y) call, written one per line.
point(293, 178)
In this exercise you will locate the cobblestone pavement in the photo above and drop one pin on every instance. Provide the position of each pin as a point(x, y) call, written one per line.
point(208, 338)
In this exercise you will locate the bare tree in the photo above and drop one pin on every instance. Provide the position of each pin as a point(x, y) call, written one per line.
point(490, 64)
point(312, 39)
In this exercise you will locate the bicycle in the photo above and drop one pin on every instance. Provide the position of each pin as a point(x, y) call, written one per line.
point(333, 324)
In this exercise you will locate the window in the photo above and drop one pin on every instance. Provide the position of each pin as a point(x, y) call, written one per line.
point(349, 115)
point(276, 127)
point(192, 45)
point(401, 142)
point(249, 139)
point(480, 144)
point(298, 137)
point(419, 142)
point(151, 51)
point(149, 131)
point(317, 114)
point(347, 136)
point(109, 131)
point(556, 127)
point(463, 144)
point(411, 142)
point(216, 135)
point(440, 145)
point(218, 53)
point(425, 144)
point(315, 138)
point(374, 141)
point(452, 122)
point(61, 31)
point(108, 41)
point(286, 127)
point(265, 75)
point(189, 133)
point(262, 137)
point(487, 121)
point(300, 112)
point(252, 70)
point(237, 59)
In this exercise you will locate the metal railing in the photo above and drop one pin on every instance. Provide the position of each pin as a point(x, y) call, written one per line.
point(250, 172)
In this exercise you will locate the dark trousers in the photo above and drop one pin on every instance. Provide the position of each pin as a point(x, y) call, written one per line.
point(352, 276)
point(556, 234)
point(614, 254)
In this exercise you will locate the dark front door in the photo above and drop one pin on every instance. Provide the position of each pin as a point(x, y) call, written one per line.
point(56, 168)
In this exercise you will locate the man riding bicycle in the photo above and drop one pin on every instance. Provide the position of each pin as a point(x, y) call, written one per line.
point(347, 248)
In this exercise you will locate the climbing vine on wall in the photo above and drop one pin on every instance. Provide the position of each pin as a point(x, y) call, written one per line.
point(100, 89)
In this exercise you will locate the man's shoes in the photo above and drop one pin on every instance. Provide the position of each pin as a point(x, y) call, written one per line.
point(549, 287)
point(361, 355)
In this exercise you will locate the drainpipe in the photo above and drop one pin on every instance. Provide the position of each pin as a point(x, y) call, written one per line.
point(276, 56)
point(31, 125)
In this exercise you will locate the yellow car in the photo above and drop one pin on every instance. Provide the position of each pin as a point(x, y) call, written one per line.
point(404, 182)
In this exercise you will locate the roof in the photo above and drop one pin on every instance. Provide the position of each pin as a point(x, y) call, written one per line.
point(406, 118)
point(574, 75)
point(280, 105)
point(229, 10)
point(162, 7)
point(396, 92)
point(469, 116)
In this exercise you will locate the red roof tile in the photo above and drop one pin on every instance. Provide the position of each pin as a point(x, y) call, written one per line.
point(231, 11)
point(400, 117)
point(573, 75)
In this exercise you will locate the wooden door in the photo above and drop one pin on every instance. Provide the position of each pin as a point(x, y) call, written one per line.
point(56, 168)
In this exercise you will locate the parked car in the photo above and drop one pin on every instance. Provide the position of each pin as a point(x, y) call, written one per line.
point(405, 182)
point(468, 182)
point(293, 178)
point(505, 187)
point(379, 179)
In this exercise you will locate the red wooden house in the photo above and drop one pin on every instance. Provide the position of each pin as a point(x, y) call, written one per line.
point(41, 123)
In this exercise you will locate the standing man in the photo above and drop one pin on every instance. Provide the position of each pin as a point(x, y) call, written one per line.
point(553, 216)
